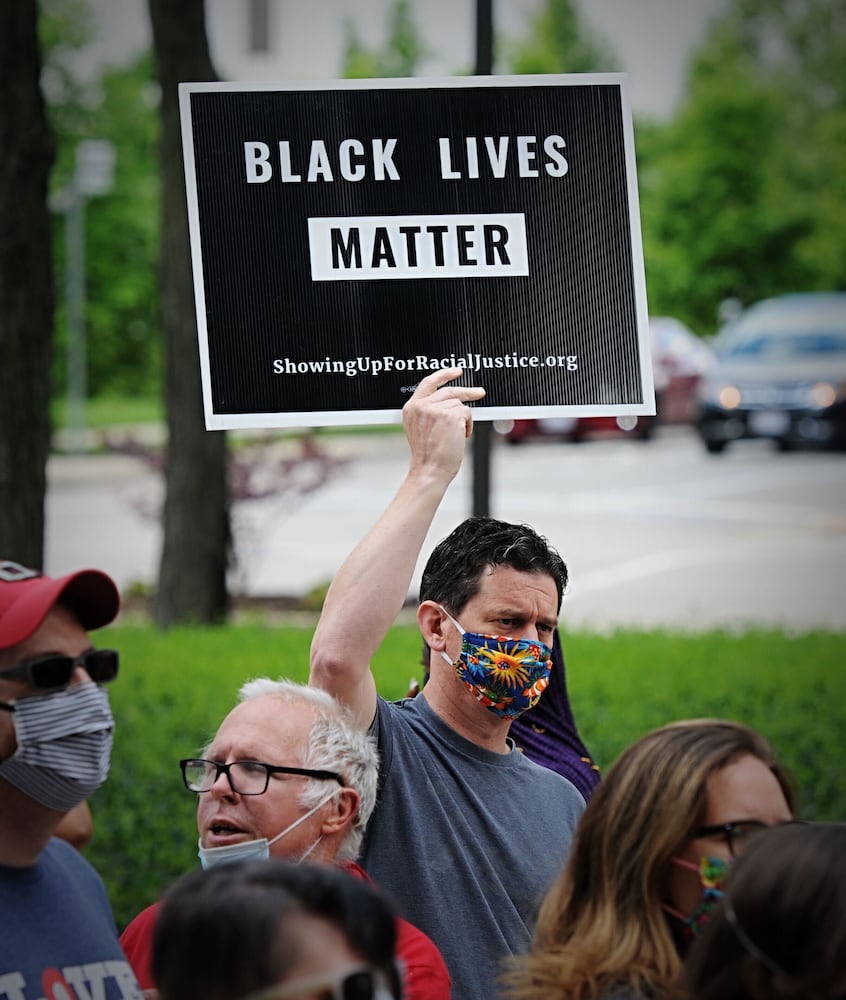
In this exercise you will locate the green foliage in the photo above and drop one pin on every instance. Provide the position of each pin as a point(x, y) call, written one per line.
point(176, 686)
point(314, 598)
point(821, 191)
point(400, 56)
point(64, 26)
point(792, 689)
point(560, 42)
point(112, 411)
point(741, 194)
point(714, 233)
point(122, 235)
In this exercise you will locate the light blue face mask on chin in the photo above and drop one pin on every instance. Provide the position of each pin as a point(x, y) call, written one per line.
point(258, 849)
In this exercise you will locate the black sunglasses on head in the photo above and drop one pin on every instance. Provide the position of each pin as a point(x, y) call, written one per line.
point(54, 671)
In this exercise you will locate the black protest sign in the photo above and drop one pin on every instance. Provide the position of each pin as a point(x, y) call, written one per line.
point(349, 237)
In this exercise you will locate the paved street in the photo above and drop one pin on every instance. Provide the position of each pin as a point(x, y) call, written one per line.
point(654, 534)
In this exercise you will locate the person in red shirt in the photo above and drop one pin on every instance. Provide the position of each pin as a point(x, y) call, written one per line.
point(288, 775)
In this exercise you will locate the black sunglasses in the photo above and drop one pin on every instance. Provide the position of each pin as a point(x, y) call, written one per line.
point(359, 982)
point(54, 671)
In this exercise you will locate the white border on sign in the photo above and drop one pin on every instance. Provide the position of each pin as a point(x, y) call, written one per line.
point(330, 418)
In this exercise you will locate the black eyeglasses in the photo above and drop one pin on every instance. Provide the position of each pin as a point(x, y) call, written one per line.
point(246, 777)
point(736, 835)
point(54, 671)
point(358, 982)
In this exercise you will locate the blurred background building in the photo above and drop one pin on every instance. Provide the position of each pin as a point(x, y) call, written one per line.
point(294, 39)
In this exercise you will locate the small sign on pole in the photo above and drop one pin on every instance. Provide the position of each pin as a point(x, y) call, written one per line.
point(350, 236)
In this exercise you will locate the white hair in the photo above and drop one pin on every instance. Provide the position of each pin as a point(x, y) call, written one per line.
point(335, 743)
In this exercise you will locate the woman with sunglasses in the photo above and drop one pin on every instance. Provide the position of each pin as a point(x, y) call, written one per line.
point(649, 858)
point(275, 930)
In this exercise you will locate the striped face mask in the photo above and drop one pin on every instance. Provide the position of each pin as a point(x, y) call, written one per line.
point(64, 745)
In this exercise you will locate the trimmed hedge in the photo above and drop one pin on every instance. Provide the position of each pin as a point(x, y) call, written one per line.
point(176, 686)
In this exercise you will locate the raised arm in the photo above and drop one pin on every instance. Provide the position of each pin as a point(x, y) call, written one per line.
point(370, 588)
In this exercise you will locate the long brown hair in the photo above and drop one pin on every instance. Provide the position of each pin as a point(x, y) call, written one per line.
point(601, 924)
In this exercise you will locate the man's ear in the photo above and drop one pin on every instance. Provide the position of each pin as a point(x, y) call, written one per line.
point(346, 804)
point(432, 623)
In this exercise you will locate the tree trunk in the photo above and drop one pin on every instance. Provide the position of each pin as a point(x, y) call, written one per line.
point(192, 572)
point(26, 286)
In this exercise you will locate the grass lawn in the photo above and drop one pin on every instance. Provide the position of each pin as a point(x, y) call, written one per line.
point(111, 411)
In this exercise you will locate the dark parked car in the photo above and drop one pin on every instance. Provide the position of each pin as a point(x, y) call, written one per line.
point(780, 374)
point(679, 361)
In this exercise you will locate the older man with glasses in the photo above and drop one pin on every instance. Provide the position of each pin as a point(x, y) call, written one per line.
point(288, 775)
point(59, 937)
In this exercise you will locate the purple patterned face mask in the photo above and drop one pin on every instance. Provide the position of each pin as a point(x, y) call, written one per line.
point(506, 675)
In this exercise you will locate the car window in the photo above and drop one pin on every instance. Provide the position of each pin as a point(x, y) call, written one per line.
point(781, 344)
point(809, 324)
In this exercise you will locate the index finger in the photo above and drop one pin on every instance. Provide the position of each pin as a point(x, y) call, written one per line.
point(439, 380)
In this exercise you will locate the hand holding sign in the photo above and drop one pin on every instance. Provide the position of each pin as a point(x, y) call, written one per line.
point(437, 423)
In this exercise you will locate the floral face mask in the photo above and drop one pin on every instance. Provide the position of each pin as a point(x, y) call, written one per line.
point(506, 675)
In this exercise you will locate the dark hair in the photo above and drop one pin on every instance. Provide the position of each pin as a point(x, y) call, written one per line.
point(781, 931)
point(453, 571)
point(232, 930)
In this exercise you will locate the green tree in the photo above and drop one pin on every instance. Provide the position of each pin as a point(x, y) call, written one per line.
point(560, 42)
point(121, 227)
point(821, 249)
point(122, 232)
point(741, 195)
point(802, 45)
point(400, 56)
point(65, 27)
point(711, 233)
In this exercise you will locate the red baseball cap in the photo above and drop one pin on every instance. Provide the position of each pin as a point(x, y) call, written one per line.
point(26, 597)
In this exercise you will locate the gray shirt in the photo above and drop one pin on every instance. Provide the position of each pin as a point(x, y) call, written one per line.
point(466, 841)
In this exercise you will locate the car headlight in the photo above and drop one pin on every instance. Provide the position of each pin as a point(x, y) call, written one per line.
point(729, 397)
point(718, 392)
point(823, 394)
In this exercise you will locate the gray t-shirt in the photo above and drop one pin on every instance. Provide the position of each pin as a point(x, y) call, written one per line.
point(466, 841)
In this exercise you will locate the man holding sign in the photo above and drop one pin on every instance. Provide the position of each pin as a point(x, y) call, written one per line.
point(467, 833)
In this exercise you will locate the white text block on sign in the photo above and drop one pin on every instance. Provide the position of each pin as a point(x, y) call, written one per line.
point(417, 246)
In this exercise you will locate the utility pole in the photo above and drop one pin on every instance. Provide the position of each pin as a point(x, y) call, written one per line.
point(481, 440)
